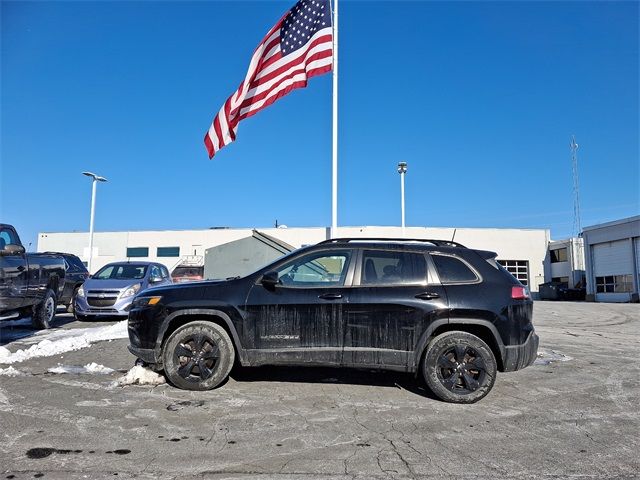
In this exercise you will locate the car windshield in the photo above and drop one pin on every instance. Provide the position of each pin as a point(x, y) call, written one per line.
point(121, 272)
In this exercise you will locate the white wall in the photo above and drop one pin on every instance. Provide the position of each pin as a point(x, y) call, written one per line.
point(573, 268)
point(613, 243)
point(509, 244)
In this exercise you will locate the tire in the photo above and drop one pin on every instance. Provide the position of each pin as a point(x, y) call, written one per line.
point(459, 367)
point(44, 312)
point(72, 302)
point(185, 365)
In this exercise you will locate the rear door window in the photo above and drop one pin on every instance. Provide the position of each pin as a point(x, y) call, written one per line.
point(392, 268)
point(77, 263)
point(453, 270)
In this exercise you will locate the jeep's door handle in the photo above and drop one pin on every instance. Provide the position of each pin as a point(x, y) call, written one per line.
point(427, 295)
point(330, 296)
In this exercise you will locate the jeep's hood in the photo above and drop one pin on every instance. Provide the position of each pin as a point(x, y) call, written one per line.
point(95, 284)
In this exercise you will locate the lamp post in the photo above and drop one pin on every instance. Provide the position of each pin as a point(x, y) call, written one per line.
point(95, 180)
point(402, 170)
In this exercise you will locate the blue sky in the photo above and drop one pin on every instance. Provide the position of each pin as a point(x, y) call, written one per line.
point(479, 98)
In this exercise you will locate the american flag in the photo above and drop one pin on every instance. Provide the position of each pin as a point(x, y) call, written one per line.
point(297, 48)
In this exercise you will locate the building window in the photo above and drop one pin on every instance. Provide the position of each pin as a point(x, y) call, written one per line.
point(560, 280)
point(168, 251)
point(614, 284)
point(558, 255)
point(137, 252)
point(517, 268)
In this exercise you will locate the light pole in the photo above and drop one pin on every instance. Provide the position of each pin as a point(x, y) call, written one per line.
point(96, 179)
point(402, 170)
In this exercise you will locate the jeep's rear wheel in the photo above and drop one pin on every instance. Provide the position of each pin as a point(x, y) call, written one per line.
point(459, 367)
point(198, 356)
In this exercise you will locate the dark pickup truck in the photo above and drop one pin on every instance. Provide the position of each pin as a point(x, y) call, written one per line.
point(30, 283)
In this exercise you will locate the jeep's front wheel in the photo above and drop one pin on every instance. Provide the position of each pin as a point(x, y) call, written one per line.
point(198, 356)
point(459, 367)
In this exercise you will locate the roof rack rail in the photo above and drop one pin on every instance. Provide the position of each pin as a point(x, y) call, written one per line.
point(437, 243)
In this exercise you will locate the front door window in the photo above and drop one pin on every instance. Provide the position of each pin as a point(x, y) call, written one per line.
point(315, 270)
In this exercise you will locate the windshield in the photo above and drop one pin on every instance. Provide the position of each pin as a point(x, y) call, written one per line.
point(121, 272)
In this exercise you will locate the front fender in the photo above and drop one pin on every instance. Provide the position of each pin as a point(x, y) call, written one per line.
point(201, 313)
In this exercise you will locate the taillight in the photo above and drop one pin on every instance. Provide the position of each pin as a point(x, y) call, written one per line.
point(519, 293)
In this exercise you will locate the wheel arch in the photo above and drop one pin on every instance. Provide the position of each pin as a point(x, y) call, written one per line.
point(483, 329)
point(182, 317)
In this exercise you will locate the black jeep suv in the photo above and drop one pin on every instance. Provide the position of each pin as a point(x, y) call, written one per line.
point(450, 313)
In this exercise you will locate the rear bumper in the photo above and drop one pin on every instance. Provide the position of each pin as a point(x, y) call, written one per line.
point(517, 357)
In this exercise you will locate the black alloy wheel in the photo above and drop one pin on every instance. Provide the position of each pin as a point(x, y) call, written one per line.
point(459, 367)
point(198, 356)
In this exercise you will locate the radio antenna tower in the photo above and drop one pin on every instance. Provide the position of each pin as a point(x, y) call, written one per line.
point(577, 224)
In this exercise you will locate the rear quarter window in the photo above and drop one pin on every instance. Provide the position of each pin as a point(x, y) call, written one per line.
point(453, 270)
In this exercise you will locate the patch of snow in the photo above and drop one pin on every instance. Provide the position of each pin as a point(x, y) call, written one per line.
point(545, 357)
point(66, 340)
point(4, 353)
point(11, 372)
point(88, 368)
point(139, 375)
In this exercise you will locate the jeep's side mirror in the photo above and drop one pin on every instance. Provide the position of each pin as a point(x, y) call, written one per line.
point(269, 280)
point(12, 249)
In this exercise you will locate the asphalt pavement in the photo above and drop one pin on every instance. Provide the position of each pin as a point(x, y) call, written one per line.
point(572, 415)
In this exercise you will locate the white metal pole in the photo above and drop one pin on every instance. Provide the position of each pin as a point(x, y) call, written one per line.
point(334, 164)
point(93, 209)
point(402, 199)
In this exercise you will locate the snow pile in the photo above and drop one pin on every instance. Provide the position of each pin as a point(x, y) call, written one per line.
point(545, 357)
point(139, 375)
point(88, 368)
point(4, 353)
point(10, 372)
point(58, 342)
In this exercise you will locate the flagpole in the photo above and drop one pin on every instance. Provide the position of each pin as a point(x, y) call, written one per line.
point(334, 163)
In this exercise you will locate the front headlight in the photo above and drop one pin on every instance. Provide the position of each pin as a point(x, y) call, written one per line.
point(131, 291)
point(80, 292)
point(141, 302)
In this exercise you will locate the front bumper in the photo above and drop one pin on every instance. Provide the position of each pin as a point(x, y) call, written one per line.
point(147, 355)
point(517, 357)
point(120, 308)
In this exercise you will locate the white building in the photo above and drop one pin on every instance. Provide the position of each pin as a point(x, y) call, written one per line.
point(566, 262)
point(612, 255)
point(521, 251)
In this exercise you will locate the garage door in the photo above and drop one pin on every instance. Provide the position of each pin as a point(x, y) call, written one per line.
point(613, 258)
point(636, 241)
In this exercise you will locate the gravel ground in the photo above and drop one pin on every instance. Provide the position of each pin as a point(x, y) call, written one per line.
point(573, 414)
